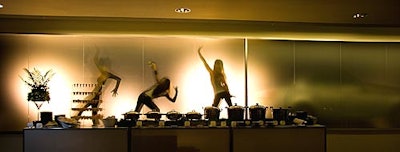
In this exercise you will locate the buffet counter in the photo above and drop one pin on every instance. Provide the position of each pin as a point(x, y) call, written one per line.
point(76, 140)
point(177, 139)
point(280, 139)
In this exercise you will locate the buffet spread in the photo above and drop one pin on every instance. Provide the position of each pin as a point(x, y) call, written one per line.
point(259, 116)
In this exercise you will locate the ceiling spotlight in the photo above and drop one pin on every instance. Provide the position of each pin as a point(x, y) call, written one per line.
point(183, 10)
point(359, 15)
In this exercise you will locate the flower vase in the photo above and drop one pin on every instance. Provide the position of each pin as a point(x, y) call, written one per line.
point(38, 96)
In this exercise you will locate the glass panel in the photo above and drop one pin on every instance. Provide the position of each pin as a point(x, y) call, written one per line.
point(392, 85)
point(270, 72)
point(363, 85)
point(317, 86)
point(12, 107)
point(343, 84)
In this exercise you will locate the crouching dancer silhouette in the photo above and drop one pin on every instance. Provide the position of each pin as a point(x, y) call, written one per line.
point(160, 89)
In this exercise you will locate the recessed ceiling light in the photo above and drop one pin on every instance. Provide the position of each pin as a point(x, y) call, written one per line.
point(183, 10)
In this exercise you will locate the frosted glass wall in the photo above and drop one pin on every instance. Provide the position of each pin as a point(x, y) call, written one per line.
point(343, 84)
point(71, 58)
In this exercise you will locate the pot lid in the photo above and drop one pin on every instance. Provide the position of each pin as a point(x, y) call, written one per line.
point(193, 112)
point(132, 112)
point(153, 112)
point(257, 106)
point(172, 112)
point(211, 107)
point(236, 107)
point(280, 108)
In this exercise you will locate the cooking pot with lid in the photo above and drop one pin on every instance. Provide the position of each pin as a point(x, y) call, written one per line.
point(235, 113)
point(193, 115)
point(257, 112)
point(211, 113)
point(280, 114)
point(153, 115)
point(174, 115)
point(132, 115)
point(301, 115)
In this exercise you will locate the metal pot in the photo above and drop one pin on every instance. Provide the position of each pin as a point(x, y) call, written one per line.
point(211, 113)
point(153, 115)
point(133, 115)
point(174, 115)
point(301, 115)
point(193, 115)
point(235, 113)
point(257, 112)
point(280, 114)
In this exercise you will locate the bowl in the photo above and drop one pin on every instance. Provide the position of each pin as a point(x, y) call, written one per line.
point(109, 122)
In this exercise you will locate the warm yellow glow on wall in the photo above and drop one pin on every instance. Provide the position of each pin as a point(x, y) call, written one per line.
point(73, 65)
point(196, 87)
point(280, 73)
point(60, 91)
point(258, 93)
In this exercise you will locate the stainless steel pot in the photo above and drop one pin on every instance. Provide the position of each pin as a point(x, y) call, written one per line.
point(153, 115)
point(193, 115)
point(174, 115)
point(211, 113)
point(235, 113)
point(132, 115)
point(280, 114)
point(257, 112)
point(301, 115)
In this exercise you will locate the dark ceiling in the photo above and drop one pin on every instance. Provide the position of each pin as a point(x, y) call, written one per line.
point(331, 20)
point(379, 12)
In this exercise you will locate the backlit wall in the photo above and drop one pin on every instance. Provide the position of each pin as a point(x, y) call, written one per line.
point(343, 84)
point(71, 58)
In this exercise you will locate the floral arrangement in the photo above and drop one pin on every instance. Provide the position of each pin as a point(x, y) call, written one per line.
point(38, 84)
